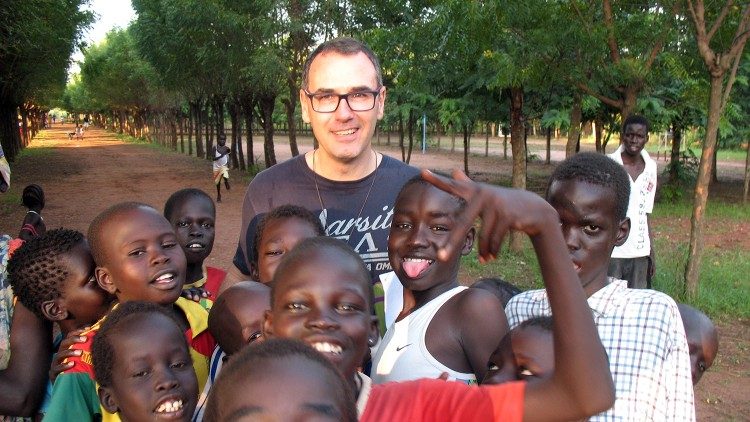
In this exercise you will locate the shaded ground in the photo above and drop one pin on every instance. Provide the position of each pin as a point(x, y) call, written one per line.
point(80, 179)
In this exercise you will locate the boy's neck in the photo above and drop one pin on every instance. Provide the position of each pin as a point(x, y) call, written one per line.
point(596, 285)
point(414, 300)
point(194, 272)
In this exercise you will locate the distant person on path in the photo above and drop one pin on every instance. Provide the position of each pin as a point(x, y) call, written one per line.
point(221, 161)
point(33, 224)
point(85, 123)
point(634, 260)
point(349, 186)
point(79, 132)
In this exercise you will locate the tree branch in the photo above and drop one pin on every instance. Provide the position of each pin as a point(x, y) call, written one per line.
point(611, 40)
point(730, 82)
point(720, 19)
point(606, 100)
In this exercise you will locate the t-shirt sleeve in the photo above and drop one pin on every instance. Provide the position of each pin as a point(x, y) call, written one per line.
point(428, 400)
point(74, 398)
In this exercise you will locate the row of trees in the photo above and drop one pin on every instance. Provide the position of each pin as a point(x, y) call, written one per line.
point(185, 66)
point(37, 39)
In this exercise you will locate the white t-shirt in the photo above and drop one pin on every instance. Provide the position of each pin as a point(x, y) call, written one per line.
point(641, 203)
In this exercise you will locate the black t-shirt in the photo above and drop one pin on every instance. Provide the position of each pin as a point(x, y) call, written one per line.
point(293, 182)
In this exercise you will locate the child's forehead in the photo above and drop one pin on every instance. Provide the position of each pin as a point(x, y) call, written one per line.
point(334, 271)
point(190, 201)
point(418, 191)
point(569, 188)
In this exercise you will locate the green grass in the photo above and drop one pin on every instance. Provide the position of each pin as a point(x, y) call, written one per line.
point(145, 142)
point(714, 209)
point(35, 152)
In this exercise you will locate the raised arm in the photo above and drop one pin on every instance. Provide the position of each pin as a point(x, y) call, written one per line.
point(582, 384)
point(22, 383)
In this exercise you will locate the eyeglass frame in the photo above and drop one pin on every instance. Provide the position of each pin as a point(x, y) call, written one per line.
point(344, 97)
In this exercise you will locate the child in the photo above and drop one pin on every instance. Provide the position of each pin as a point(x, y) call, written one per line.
point(526, 353)
point(640, 328)
point(277, 233)
point(221, 159)
point(138, 259)
point(193, 217)
point(702, 340)
point(499, 287)
point(442, 327)
point(235, 321)
point(141, 379)
point(33, 223)
point(52, 277)
point(313, 388)
point(332, 313)
point(79, 132)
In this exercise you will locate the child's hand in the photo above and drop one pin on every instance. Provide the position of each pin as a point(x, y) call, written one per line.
point(59, 365)
point(501, 209)
point(195, 294)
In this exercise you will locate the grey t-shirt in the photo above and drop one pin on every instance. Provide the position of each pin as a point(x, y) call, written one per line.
point(293, 182)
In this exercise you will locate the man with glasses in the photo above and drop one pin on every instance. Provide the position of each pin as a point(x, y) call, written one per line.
point(345, 182)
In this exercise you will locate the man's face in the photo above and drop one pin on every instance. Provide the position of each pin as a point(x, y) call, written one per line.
point(145, 261)
point(634, 138)
point(588, 222)
point(343, 135)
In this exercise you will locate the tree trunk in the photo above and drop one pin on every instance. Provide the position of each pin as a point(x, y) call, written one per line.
point(290, 105)
point(674, 157)
point(410, 128)
point(599, 129)
point(700, 196)
point(453, 138)
point(9, 134)
point(467, 146)
point(266, 108)
point(234, 120)
point(549, 145)
point(575, 126)
point(487, 140)
point(247, 110)
point(401, 137)
point(747, 174)
point(518, 147)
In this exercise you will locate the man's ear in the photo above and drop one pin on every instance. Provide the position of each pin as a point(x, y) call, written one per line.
point(304, 103)
point(267, 324)
point(104, 279)
point(623, 231)
point(54, 310)
point(107, 400)
point(469, 241)
point(381, 102)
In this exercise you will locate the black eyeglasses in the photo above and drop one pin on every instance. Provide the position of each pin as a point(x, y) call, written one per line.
point(328, 102)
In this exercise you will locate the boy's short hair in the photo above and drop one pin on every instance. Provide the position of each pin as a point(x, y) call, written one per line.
point(345, 46)
point(96, 233)
point(499, 287)
point(283, 212)
point(316, 244)
point(635, 119)
point(543, 322)
point(181, 196)
point(418, 180)
point(102, 349)
point(597, 169)
point(253, 357)
point(35, 270)
point(32, 196)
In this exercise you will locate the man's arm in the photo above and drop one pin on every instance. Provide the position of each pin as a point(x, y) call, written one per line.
point(581, 384)
point(22, 383)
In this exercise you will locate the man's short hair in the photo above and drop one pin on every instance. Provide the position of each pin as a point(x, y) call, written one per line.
point(345, 46)
point(597, 169)
point(635, 119)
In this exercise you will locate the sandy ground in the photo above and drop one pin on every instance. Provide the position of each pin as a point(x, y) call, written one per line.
point(82, 178)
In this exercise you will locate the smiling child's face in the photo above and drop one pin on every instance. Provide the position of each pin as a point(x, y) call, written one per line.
point(423, 219)
point(308, 393)
point(145, 261)
point(279, 237)
point(324, 301)
point(85, 301)
point(152, 380)
point(193, 221)
point(589, 226)
point(529, 354)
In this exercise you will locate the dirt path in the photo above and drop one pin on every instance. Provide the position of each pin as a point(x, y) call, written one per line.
point(80, 179)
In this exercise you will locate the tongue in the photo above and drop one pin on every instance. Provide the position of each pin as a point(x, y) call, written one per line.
point(415, 268)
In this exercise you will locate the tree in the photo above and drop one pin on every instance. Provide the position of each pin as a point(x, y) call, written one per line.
point(721, 48)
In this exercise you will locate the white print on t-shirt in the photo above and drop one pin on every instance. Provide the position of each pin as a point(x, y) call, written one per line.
point(358, 232)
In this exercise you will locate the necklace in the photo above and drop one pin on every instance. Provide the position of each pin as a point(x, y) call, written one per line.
point(362, 208)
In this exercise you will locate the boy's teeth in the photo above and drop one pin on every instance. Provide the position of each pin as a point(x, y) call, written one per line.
point(195, 245)
point(345, 132)
point(327, 348)
point(169, 406)
point(165, 277)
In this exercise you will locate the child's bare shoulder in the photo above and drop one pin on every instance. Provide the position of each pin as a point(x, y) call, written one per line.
point(473, 305)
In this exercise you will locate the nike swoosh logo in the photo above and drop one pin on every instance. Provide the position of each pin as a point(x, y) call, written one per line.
point(398, 349)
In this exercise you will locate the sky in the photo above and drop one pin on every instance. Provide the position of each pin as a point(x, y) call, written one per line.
point(108, 14)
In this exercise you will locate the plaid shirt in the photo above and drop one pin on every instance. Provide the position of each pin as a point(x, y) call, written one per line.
point(643, 335)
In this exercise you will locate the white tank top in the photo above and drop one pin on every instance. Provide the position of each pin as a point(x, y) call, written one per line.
point(403, 354)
